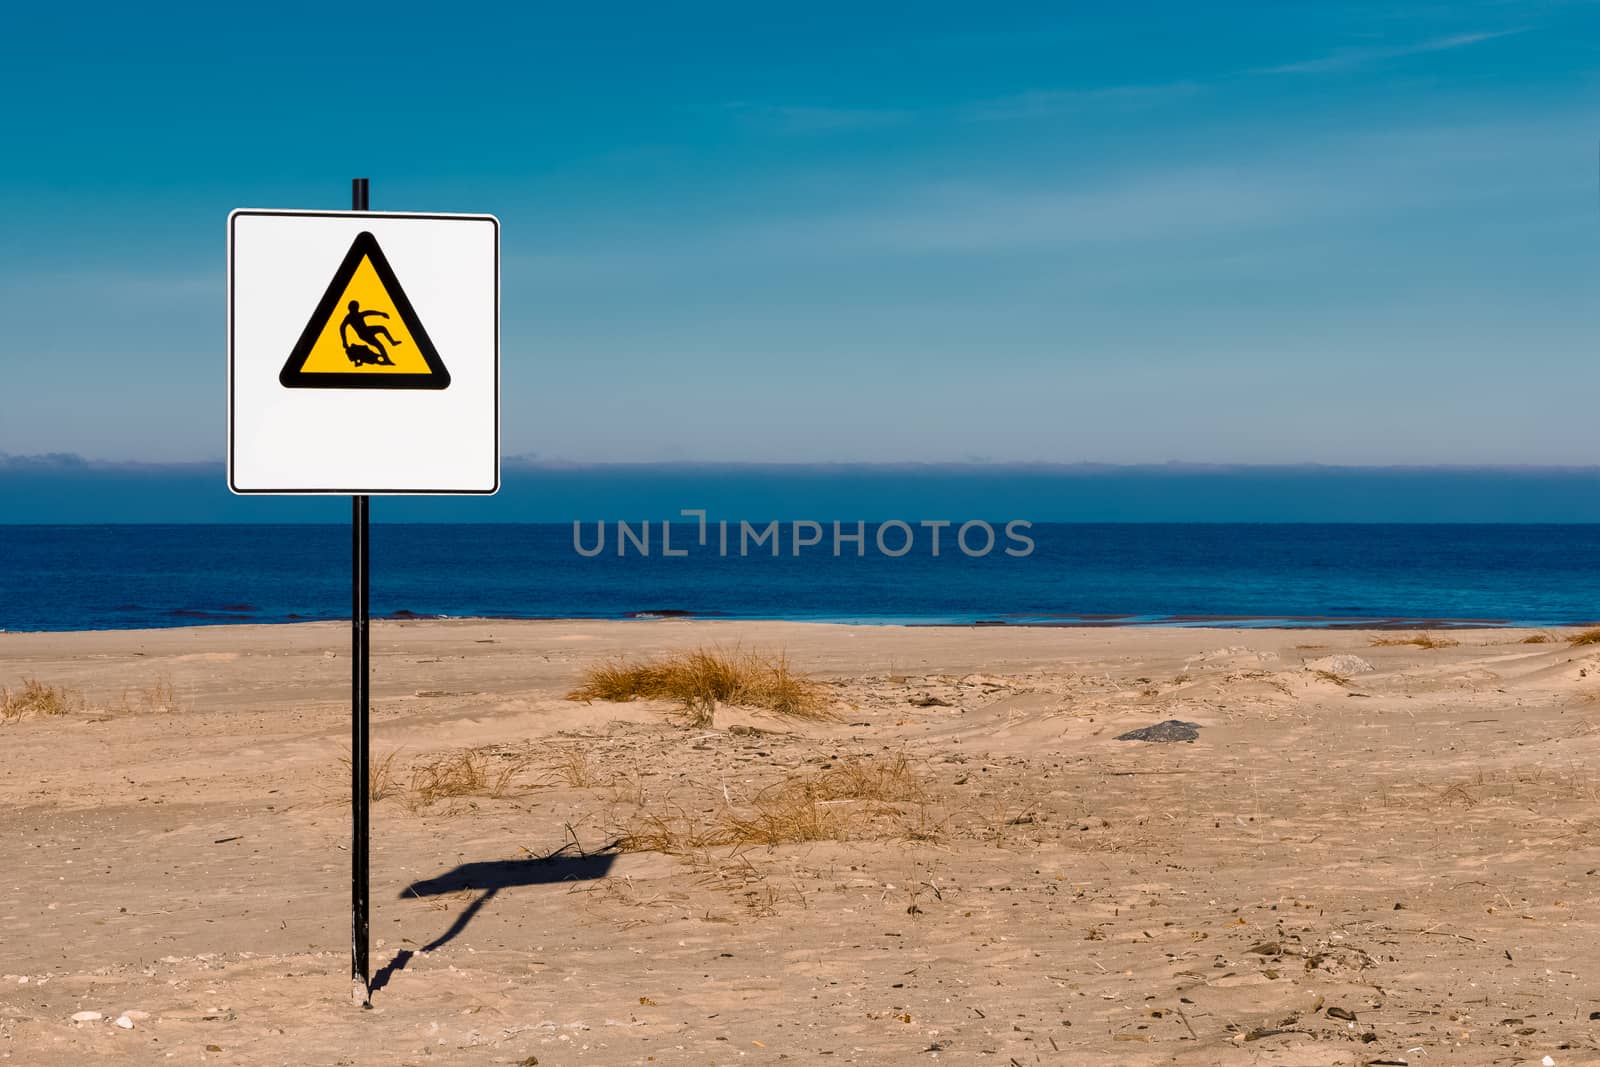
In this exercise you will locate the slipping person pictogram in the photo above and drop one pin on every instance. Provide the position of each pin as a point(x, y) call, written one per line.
point(372, 350)
point(364, 333)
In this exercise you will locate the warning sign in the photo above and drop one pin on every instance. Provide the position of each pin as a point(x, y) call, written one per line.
point(364, 333)
point(363, 352)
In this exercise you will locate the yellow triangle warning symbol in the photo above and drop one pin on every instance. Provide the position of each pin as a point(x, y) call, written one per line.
point(364, 333)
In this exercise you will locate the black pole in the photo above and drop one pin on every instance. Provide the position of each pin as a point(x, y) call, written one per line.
point(360, 684)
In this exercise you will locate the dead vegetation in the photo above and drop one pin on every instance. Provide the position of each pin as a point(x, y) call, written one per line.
point(159, 696)
point(783, 817)
point(573, 767)
point(429, 783)
point(856, 798)
point(383, 781)
point(892, 780)
point(35, 698)
point(1587, 637)
point(780, 818)
point(1419, 640)
point(459, 775)
point(702, 678)
point(1536, 639)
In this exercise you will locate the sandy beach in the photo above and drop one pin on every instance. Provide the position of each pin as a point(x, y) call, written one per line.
point(1370, 854)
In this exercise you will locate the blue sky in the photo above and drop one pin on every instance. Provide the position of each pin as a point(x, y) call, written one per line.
point(1357, 233)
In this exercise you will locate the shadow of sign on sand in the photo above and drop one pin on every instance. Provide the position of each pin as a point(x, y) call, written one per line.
point(490, 877)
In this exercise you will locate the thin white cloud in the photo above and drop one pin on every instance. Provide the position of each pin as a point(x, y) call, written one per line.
point(973, 218)
point(1351, 58)
point(977, 216)
point(1285, 188)
point(1264, 200)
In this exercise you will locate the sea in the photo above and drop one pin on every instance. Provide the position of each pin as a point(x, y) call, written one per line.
point(91, 577)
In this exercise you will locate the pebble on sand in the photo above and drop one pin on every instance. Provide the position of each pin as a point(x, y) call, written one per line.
point(125, 1022)
point(87, 1017)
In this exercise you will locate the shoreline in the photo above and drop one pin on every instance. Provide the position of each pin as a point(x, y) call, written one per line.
point(197, 620)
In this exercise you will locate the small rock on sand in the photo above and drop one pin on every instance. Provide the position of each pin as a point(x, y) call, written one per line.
point(1343, 663)
point(1171, 730)
point(928, 700)
point(125, 1022)
point(87, 1017)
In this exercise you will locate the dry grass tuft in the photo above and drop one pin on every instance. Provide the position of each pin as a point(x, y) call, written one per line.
point(36, 698)
point(671, 835)
point(382, 779)
point(159, 695)
point(888, 780)
point(620, 681)
point(572, 766)
point(783, 817)
point(1588, 637)
point(834, 804)
point(703, 678)
point(463, 774)
point(1536, 639)
point(1420, 640)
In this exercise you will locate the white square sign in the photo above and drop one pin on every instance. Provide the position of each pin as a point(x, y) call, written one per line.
point(363, 353)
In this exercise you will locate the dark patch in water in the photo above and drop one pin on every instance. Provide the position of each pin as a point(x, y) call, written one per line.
point(201, 613)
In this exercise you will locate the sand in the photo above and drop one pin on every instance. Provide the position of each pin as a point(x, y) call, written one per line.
point(1347, 866)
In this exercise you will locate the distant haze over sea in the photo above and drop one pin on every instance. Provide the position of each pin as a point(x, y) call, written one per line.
point(69, 489)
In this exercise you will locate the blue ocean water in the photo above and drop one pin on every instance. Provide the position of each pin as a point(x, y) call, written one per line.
point(115, 577)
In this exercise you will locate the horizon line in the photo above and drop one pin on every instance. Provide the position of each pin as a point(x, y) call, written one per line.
point(71, 462)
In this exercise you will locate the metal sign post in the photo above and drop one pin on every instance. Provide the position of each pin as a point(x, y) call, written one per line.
point(360, 734)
